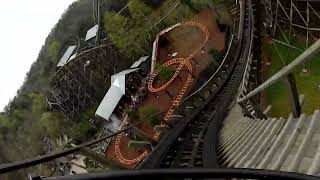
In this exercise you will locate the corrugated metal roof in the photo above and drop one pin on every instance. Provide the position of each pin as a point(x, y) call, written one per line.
point(66, 56)
point(119, 82)
point(109, 102)
point(141, 60)
point(114, 94)
point(91, 33)
point(73, 56)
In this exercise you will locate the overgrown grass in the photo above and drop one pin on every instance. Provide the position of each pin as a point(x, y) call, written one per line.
point(165, 73)
point(147, 114)
point(307, 83)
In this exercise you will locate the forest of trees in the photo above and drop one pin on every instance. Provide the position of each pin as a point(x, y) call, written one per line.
point(26, 121)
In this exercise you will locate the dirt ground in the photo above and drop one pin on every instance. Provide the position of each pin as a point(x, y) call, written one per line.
point(183, 40)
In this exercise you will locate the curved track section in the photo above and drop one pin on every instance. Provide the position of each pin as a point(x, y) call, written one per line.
point(179, 64)
point(122, 158)
point(229, 94)
point(193, 144)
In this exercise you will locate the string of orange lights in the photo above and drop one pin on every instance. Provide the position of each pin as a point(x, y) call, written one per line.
point(181, 62)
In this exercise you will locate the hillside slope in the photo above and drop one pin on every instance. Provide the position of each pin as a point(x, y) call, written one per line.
point(25, 124)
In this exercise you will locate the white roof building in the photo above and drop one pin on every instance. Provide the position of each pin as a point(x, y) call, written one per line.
point(73, 56)
point(66, 57)
point(141, 60)
point(91, 33)
point(114, 94)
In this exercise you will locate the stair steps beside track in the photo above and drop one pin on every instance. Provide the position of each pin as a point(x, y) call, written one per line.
point(291, 144)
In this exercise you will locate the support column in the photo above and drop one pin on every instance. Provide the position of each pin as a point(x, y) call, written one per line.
point(293, 95)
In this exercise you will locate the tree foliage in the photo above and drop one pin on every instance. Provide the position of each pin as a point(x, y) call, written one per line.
point(132, 34)
point(147, 114)
point(53, 50)
point(138, 145)
point(128, 34)
point(216, 55)
point(51, 123)
point(197, 5)
point(26, 122)
point(82, 128)
point(139, 11)
point(165, 73)
point(39, 103)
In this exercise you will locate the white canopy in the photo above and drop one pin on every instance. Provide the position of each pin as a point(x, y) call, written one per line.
point(66, 56)
point(91, 33)
point(114, 94)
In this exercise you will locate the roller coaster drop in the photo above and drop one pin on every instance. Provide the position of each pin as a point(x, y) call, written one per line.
point(223, 95)
point(181, 62)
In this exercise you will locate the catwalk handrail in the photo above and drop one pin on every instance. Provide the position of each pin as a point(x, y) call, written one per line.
point(186, 173)
point(5, 168)
point(306, 55)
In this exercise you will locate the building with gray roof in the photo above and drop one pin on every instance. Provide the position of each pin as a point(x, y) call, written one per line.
point(91, 33)
point(66, 56)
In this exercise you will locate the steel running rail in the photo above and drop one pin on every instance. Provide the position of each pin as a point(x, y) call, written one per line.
point(229, 93)
point(196, 173)
point(216, 72)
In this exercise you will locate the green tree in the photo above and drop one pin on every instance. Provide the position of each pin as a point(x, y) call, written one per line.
point(53, 50)
point(215, 54)
point(138, 145)
point(117, 27)
point(51, 122)
point(197, 5)
point(80, 130)
point(139, 11)
point(82, 127)
point(6, 124)
point(148, 114)
point(39, 103)
point(128, 34)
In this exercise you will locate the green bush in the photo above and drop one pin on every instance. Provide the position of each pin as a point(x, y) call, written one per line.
point(215, 54)
point(53, 50)
point(6, 122)
point(148, 114)
point(128, 34)
point(39, 103)
point(133, 115)
point(165, 73)
point(139, 10)
point(198, 5)
point(51, 122)
point(181, 13)
point(138, 144)
point(82, 128)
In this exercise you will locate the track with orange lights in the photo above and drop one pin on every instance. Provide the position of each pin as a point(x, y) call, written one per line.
point(179, 64)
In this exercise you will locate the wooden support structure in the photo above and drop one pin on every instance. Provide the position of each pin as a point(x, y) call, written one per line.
point(299, 17)
point(78, 84)
point(312, 50)
point(293, 95)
